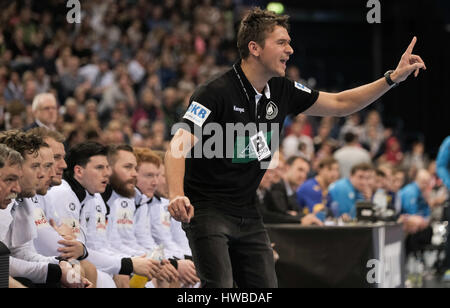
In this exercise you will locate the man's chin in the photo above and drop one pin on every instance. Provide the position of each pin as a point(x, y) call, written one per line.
point(56, 183)
point(42, 192)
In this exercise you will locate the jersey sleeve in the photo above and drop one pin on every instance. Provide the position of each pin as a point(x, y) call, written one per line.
point(409, 201)
point(35, 271)
point(142, 229)
point(300, 97)
point(179, 237)
point(27, 252)
point(160, 228)
point(202, 109)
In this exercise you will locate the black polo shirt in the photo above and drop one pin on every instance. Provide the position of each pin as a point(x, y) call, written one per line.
point(228, 181)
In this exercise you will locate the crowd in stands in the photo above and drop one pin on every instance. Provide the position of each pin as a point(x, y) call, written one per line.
point(124, 77)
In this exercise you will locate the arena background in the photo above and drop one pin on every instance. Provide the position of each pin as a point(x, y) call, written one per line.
point(334, 43)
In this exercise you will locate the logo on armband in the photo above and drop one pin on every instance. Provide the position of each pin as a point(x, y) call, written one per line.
point(299, 86)
point(197, 113)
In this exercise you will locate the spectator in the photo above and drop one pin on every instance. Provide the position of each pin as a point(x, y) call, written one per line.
point(398, 180)
point(414, 198)
point(42, 81)
point(350, 154)
point(393, 153)
point(352, 125)
point(347, 191)
point(297, 143)
point(416, 159)
point(281, 196)
point(121, 90)
point(443, 171)
point(373, 128)
point(442, 162)
point(416, 212)
point(380, 197)
point(72, 83)
point(313, 196)
point(45, 111)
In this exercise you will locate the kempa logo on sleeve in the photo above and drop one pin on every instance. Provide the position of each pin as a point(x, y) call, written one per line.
point(197, 113)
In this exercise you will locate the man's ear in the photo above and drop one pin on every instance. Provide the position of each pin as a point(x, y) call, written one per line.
point(254, 48)
point(78, 171)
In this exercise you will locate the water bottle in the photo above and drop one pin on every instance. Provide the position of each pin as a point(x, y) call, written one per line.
point(139, 282)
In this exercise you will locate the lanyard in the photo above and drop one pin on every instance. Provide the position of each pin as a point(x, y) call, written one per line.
point(245, 91)
point(242, 84)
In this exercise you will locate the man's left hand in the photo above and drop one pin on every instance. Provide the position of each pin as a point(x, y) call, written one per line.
point(408, 63)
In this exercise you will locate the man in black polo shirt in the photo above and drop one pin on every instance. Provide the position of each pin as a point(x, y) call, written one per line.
point(216, 166)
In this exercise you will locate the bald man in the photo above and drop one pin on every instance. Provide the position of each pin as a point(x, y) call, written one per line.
point(413, 195)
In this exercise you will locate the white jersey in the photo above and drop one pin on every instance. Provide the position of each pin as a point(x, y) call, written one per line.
point(34, 271)
point(67, 206)
point(142, 230)
point(93, 220)
point(23, 231)
point(160, 227)
point(46, 242)
point(120, 228)
point(179, 237)
point(5, 221)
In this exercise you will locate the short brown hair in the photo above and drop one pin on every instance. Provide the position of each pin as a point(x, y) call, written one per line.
point(327, 162)
point(291, 160)
point(114, 149)
point(161, 155)
point(144, 155)
point(48, 133)
point(24, 143)
point(255, 26)
point(361, 166)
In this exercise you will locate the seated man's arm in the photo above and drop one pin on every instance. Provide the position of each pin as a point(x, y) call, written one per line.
point(14, 284)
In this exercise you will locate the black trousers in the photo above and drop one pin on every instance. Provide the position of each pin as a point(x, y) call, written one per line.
point(229, 250)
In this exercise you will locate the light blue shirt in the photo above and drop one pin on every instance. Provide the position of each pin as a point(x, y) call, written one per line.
point(413, 202)
point(443, 162)
point(343, 198)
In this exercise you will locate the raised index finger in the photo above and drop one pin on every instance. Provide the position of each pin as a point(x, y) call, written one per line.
point(411, 45)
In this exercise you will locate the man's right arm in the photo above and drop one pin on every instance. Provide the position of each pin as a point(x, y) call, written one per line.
point(182, 142)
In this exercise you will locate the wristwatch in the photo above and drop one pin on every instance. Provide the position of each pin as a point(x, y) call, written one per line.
point(389, 81)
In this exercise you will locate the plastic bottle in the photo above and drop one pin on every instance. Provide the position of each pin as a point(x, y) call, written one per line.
point(139, 282)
